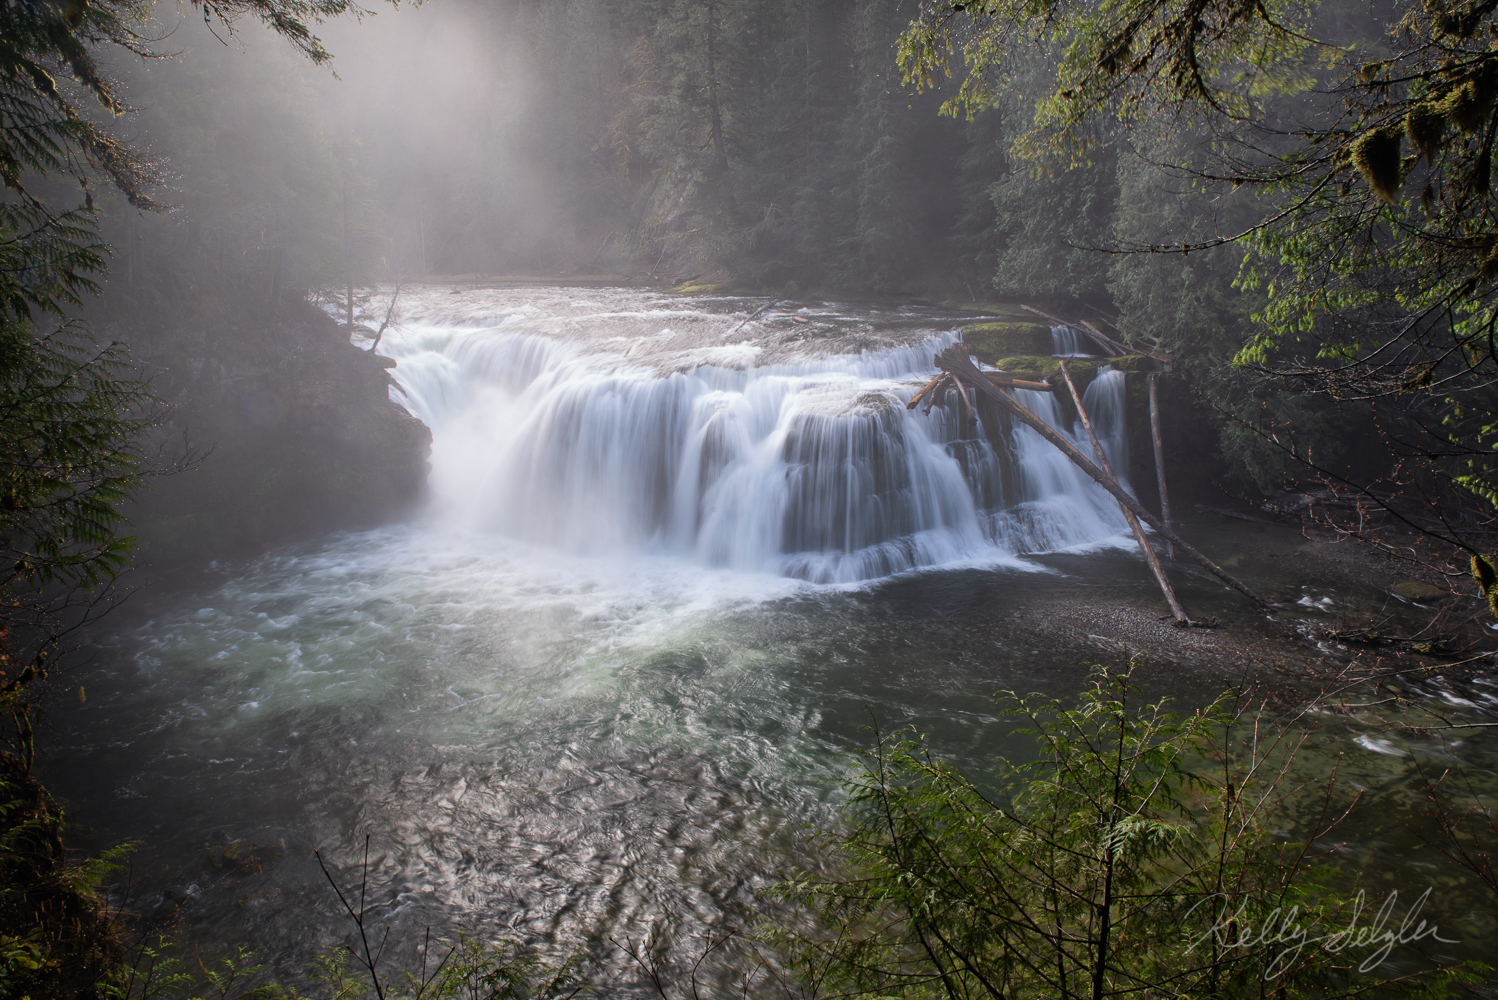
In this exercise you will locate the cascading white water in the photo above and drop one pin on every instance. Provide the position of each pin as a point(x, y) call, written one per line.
point(1069, 342)
point(809, 467)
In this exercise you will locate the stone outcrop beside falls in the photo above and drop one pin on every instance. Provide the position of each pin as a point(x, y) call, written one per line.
point(292, 431)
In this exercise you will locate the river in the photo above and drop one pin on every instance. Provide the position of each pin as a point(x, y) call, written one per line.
point(675, 562)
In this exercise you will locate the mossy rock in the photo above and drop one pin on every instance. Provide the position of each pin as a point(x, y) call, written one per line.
point(1133, 363)
point(243, 856)
point(1414, 590)
point(709, 288)
point(989, 341)
point(1041, 366)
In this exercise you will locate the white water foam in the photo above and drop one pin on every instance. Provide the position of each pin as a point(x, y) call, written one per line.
point(571, 427)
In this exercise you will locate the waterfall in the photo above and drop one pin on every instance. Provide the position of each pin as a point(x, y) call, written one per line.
point(810, 467)
point(1068, 341)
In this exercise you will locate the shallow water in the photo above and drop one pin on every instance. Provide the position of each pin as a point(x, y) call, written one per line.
point(569, 735)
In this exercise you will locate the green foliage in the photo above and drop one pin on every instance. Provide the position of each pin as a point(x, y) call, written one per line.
point(71, 415)
point(1371, 257)
point(1132, 857)
point(57, 933)
point(469, 968)
point(1131, 57)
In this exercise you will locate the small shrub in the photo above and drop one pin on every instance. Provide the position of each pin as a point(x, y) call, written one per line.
point(1132, 858)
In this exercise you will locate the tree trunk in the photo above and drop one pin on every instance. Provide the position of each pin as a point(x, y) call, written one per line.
point(955, 361)
point(715, 113)
point(1150, 558)
point(1159, 459)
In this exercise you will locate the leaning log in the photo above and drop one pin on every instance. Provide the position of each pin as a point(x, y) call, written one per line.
point(956, 362)
point(1159, 455)
point(915, 400)
point(1005, 382)
point(1151, 559)
point(1105, 340)
point(938, 393)
point(966, 404)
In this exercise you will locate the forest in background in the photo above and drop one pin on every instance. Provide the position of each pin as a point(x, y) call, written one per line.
point(765, 142)
point(764, 145)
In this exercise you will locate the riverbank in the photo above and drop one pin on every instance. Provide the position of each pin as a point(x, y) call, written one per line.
point(1337, 601)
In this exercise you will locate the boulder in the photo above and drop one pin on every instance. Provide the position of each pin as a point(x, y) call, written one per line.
point(1414, 590)
point(1039, 367)
point(696, 287)
point(990, 341)
point(244, 856)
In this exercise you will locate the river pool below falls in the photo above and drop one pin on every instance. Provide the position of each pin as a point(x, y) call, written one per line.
point(673, 567)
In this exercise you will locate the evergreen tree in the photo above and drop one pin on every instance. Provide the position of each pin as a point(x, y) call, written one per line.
point(71, 413)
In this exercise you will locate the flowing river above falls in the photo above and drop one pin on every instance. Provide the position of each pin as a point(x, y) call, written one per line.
point(674, 563)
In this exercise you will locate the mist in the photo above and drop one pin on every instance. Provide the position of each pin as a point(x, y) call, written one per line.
point(564, 437)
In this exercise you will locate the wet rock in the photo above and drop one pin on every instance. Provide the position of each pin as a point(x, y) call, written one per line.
point(1033, 365)
point(990, 341)
point(1414, 590)
point(244, 856)
point(296, 428)
point(163, 912)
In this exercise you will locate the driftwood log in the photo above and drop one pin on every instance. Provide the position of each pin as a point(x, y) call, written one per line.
point(754, 315)
point(1109, 343)
point(916, 399)
point(1159, 458)
point(1003, 381)
point(938, 393)
point(1151, 559)
point(1105, 340)
point(956, 362)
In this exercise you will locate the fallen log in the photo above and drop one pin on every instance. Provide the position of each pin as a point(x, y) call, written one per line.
point(1005, 382)
point(1159, 457)
point(753, 315)
point(938, 393)
point(955, 361)
point(1247, 517)
point(967, 404)
point(1151, 559)
point(1104, 341)
point(915, 400)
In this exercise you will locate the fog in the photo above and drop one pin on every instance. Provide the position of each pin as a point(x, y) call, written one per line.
point(535, 487)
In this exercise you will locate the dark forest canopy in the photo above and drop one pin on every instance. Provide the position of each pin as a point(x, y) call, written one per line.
point(1369, 140)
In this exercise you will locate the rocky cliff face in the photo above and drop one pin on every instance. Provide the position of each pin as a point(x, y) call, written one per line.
point(290, 433)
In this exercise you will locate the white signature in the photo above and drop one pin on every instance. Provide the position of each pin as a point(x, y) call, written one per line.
point(1282, 926)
